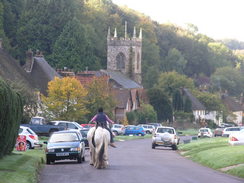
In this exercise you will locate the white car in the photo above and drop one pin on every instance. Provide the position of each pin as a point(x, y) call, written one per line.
point(231, 130)
point(68, 125)
point(237, 138)
point(149, 129)
point(205, 132)
point(165, 136)
point(31, 137)
point(118, 129)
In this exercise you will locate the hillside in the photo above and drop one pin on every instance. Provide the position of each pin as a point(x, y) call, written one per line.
point(73, 34)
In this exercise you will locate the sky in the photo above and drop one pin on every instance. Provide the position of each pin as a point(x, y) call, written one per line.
point(218, 19)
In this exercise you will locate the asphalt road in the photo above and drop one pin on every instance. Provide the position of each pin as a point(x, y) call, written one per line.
point(135, 162)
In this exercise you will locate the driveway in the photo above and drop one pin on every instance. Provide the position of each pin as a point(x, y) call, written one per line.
point(135, 162)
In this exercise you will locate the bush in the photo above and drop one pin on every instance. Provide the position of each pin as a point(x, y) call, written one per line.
point(11, 111)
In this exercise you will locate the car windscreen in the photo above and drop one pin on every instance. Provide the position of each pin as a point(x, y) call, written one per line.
point(164, 130)
point(20, 130)
point(63, 137)
point(84, 133)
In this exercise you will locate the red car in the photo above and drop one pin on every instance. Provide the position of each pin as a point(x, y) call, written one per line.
point(87, 125)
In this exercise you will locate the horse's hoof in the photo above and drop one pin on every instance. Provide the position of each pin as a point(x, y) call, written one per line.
point(91, 164)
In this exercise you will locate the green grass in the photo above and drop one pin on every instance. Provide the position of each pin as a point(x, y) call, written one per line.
point(21, 167)
point(188, 132)
point(215, 153)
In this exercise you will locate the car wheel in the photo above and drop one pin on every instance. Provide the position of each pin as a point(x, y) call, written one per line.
point(48, 161)
point(116, 133)
point(174, 147)
point(79, 159)
point(83, 158)
point(147, 132)
point(28, 145)
point(139, 134)
point(153, 146)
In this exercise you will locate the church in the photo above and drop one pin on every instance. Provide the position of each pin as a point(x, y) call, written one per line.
point(123, 72)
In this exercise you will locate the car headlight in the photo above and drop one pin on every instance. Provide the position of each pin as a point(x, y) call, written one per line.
point(50, 150)
point(75, 149)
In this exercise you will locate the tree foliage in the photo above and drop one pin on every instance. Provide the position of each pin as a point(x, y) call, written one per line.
point(11, 110)
point(99, 95)
point(170, 82)
point(66, 99)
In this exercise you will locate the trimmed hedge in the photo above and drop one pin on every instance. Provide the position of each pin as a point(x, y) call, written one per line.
point(11, 111)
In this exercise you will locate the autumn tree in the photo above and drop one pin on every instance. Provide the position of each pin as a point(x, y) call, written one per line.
point(66, 99)
point(99, 95)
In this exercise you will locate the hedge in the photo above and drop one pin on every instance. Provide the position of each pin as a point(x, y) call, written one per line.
point(11, 111)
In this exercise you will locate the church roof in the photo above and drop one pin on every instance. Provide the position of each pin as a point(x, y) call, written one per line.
point(122, 79)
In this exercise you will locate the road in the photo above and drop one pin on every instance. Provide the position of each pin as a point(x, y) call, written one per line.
point(135, 162)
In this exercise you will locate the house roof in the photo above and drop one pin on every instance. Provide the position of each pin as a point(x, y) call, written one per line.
point(87, 76)
point(12, 71)
point(42, 73)
point(122, 96)
point(231, 103)
point(196, 104)
point(122, 80)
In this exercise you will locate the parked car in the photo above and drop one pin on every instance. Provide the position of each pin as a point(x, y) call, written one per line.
point(87, 126)
point(205, 132)
point(165, 136)
point(67, 144)
point(118, 129)
point(218, 132)
point(149, 129)
point(155, 124)
point(237, 138)
point(67, 125)
point(135, 130)
point(40, 127)
point(231, 130)
point(32, 140)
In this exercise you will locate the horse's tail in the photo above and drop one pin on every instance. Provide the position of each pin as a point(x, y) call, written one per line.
point(102, 149)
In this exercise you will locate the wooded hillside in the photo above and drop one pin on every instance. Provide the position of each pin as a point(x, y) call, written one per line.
point(73, 34)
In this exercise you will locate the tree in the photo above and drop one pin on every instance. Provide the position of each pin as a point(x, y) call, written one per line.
point(169, 82)
point(66, 99)
point(175, 61)
point(146, 114)
point(73, 48)
point(177, 101)
point(11, 110)
point(161, 103)
point(228, 79)
point(99, 95)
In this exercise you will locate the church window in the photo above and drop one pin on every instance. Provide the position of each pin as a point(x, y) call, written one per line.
point(138, 61)
point(120, 58)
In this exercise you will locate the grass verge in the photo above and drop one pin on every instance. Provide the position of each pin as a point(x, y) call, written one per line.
point(215, 153)
point(189, 132)
point(21, 167)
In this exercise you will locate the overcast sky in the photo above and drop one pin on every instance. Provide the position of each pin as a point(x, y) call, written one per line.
point(218, 19)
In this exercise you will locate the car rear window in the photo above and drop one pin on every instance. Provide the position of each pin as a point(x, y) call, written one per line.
point(204, 130)
point(164, 130)
point(63, 137)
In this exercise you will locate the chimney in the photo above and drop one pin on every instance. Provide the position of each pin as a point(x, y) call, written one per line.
point(29, 61)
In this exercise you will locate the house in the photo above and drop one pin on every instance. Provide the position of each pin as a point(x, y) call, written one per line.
point(235, 108)
point(39, 71)
point(198, 108)
point(127, 93)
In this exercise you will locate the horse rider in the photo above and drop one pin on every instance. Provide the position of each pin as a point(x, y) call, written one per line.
point(101, 120)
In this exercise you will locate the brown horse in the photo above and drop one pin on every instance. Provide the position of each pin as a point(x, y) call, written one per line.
point(98, 139)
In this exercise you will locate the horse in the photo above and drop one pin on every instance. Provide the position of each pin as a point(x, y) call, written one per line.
point(98, 139)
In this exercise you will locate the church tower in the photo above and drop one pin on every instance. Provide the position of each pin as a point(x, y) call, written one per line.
point(124, 54)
